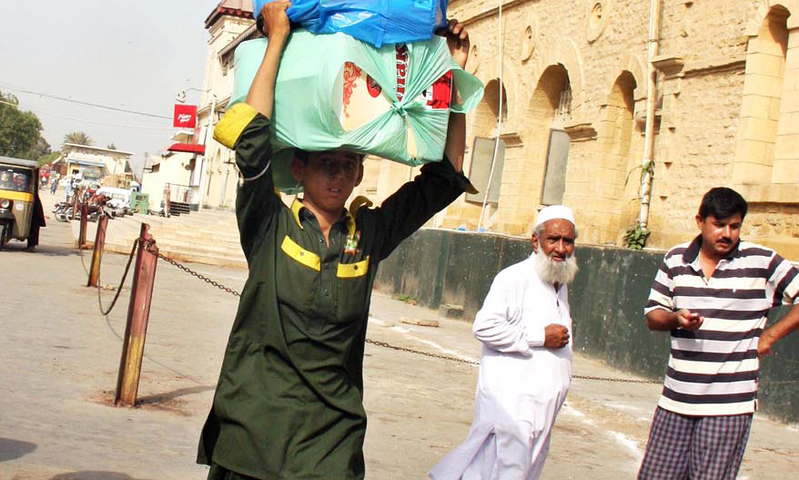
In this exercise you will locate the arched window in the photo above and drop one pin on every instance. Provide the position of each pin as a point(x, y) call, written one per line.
point(552, 109)
point(487, 148)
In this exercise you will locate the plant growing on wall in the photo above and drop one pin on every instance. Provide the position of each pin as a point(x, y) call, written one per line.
point(635, 237)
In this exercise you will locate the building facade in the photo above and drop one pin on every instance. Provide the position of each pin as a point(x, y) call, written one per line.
point(204, 177)
point(216, 174)
point(569, 115)
point(574, 112)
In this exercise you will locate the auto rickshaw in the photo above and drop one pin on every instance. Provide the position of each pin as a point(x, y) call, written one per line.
point(19, 183)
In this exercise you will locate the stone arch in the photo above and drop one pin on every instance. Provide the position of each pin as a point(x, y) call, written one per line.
point(619, 150)
point(566, 54)
point(763, 10)
point(525, 160)
point(634, 65)
point(544, 104)
point(761, 107)
point(487, 111)
point(509, 81)
point(618, 121)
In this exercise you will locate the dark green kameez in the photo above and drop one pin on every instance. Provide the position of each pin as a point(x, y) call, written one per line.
point(288, 404)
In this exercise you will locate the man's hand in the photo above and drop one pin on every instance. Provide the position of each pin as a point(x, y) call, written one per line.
point(765, 343)
point(556, 336)
point(457, 41)
point(784, 326)
point(276, 22)
point(688, 320)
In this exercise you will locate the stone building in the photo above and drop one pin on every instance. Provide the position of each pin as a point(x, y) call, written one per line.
point(218, 176)
point(573, 119)
point(197, 171)
point(573, 125)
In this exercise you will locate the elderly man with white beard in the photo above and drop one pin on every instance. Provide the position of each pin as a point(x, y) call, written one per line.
point(525, 370)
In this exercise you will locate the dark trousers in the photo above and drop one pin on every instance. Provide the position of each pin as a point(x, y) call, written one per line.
point(682, 447)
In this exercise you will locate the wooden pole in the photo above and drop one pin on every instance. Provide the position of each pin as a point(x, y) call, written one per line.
point(84, 222)
point(97, 254)
point(138, 316)
point(75, 196)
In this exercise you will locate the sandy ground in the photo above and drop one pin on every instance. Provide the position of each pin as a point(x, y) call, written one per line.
point(60, 358)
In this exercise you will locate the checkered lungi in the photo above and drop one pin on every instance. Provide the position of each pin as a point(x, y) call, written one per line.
point(683, 447)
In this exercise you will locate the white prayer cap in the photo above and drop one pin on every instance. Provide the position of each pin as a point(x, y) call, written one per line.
point(555, 212)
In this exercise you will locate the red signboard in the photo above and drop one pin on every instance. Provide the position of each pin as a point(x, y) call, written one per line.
point(185, 116)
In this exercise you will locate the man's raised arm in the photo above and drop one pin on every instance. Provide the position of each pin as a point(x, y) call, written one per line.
point(458, 43)
point(276, 28)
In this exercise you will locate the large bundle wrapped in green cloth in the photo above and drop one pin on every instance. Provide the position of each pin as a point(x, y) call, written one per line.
point(336, 92)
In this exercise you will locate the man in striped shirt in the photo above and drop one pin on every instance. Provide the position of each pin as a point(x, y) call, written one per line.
point(714, 294)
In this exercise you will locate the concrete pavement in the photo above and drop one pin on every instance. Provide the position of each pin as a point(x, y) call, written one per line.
point(60, 358)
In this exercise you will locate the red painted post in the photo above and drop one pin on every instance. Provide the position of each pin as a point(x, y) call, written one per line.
point(138, 316)
point(84, 222)
point(97, 254)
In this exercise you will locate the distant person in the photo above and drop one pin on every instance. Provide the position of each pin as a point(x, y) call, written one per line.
point(525, 371)
point(54, 185)
point(713, 294)
point(289, 402)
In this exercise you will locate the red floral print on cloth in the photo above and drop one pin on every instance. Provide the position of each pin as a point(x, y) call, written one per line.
point(351, 73)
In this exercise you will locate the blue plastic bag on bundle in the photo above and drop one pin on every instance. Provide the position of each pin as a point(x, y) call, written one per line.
point(374, 21)
point(399, 97)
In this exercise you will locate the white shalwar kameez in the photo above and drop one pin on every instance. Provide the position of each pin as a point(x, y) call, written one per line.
point(521, 385)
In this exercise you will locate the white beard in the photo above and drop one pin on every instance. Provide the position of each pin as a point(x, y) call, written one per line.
point(553, 272)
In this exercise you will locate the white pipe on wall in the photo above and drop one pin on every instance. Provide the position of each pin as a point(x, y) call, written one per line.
point(651, 94)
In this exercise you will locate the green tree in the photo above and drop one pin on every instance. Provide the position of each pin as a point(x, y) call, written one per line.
point(111, 147)
point(49, 158)
point(78, 138)
point(19, 131)
point(41, 149)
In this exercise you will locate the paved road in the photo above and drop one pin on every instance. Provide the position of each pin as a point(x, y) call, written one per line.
point(60, 358)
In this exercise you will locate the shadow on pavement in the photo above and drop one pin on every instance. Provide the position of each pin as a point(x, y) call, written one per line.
point(11, 449)
point(46, 250)
point(160, 398)
point(91, 475)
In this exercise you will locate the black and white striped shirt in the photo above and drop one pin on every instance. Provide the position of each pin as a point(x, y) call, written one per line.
point(714, 370)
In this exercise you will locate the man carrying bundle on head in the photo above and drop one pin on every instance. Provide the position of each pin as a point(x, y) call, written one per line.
point(288, 404)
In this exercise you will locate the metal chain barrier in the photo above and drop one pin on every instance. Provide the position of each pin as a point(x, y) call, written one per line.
point(388, 345)
point(419, 352)
point(619, 380)
point(198, 275)
point(121, 283)
point(471, 362)
point(368, 340)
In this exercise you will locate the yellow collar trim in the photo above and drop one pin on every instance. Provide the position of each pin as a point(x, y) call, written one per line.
point(296, 206)
point(357, 203)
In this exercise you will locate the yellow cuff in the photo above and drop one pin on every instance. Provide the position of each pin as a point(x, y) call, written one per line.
point(228, 130)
